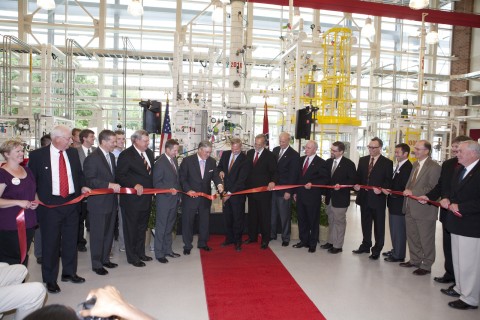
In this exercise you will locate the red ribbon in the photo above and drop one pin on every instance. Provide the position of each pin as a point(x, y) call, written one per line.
point(22, 234)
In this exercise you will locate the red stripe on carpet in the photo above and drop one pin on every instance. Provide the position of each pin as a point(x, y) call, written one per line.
point(252, 284)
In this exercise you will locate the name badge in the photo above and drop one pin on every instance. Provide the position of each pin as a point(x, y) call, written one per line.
point(15, 181)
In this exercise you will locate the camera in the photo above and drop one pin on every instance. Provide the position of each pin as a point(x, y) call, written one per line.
point(87, 305)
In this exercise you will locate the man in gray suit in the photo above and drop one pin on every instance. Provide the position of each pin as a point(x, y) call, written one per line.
point(87, 138)
point(165, 176)
point(420, 220)
point(99, 170)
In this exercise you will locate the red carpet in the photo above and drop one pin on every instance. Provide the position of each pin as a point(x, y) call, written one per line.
point(252, 284)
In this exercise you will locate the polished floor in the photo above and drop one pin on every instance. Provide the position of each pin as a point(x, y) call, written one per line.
point(342, 286)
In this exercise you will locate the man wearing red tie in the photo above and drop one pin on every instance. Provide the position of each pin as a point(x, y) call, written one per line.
point(59, 178)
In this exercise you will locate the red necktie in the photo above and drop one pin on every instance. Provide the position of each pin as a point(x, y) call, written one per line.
point(305, 167)
point(256, 158)
point(62, 168)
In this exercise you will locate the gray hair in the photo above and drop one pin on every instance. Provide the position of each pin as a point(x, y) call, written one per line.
point(315, 144)
point(473, 146)
point(59, 130)
point(284, 134)
point(204, 144)
point(137, 135)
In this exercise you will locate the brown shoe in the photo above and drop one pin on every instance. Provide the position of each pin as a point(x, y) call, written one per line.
point(421, 272)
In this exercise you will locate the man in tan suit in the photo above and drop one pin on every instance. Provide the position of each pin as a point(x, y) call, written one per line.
point(420, 220)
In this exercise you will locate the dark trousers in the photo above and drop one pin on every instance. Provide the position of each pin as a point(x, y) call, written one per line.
point(101, 237)
point(259, 214)
point(10, 247)
point(447, 252)
point(165, 219)
point(234, 213)
point(59, 234)
point(308, 222)
point(82, 223)
point(188, 219)
point(398, 235)
point(135, 225)
point(376, 217)
point(281, 208)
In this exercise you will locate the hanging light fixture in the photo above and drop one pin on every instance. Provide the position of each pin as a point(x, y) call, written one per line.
point(418, 4)
point(217, 11)
point(432, 36)
point(368, 29)
point(135, 8)
point(46, 4)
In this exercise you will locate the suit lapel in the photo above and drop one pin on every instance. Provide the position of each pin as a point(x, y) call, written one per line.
point(474, 170)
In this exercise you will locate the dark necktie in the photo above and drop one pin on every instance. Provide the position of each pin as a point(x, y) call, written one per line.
point(370, 166)
point(396, 170)
point(173, 166)
point(414, 176)
point(282, 151)
point(147, 166)
point(256, 158)
point(88, 152)
point(462, 174)
point(109, 161)
point(334, 167)
point(62, 169)
point(305, 167)
point(231, 163)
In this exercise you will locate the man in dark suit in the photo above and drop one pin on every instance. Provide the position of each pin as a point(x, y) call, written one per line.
point(87, 139)
point(59, 179)
point(373, 170)
point(420, 220)
point(233, 170)
point(196, 173)
point(99, 170)
point(342, 172)
point(287, 171)
point(313, 170)
point(398, 235)
point(165, 176)
point(464, 197)
point(441, 189)
point(263, 172)
point(134, 170)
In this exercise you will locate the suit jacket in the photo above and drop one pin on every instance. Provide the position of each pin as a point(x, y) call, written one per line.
point(345, 173)
point(380, 176)
point(130, 172)
point(426, 180)
point(191, 179)
point(317, 173)
point(97, 176)
point(41, 167)
point(165, 177)
point(287, 167)
point(399, 182)
point(441, 190)
point(264, 171)
point(466, 194)
point(234, 179)
point(82, 155)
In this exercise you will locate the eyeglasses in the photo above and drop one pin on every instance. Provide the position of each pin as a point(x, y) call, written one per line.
point(370, 147)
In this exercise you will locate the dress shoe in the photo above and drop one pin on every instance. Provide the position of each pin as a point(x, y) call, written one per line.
point(138, 264)
point(326, 246)
point(264, 245)
point(146, 258)
point(226, 243)
point(186, 252)
point(82, 249)
point(361, 250)
point(73, 279)
point(459, 304)
point(312, 249)
point(421, 272)
point(238, 247)
point(100, 271)
point(387, 253)
point(285, 243)
point(110, 265)
point(335, 250)
point(392, 259)
point(299, 245)
point(443, 280)
point(205, 248)
point(53, 287)
point(273, 238)
point(374, 256)
point(407, 264)
point(248, 241)
point(450, 292)
point(39, 260)
point(173, 255)
point(162, 260)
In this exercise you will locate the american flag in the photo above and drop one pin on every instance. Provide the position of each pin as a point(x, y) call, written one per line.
point(167, 129)
point(265, 122)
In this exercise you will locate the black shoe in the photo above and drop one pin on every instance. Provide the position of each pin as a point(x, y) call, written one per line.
point(238, 247)
point(39, 260)
point(335, 250)
point(421, 272)
point(73, 279)
point(450, 292)
point(186, 252)
point(459, 304)
point(443, 280)
point(273, 238)
point(326, 246)
point(387, 253)
point(392, 259)
point(407, 264)
point(110, 265)
point(285, 243)
point(299, 245)
point(173, 255)
point(312, 249)
point(264, 245)
point(206, 248)
point(138, 264)
point(162, 260)
point(248, 241)
point(374, 256)
point(146, 258)
point(82, 249)
point(361, 250)
point(53, 287)
point(226, 243)
point(100, 271)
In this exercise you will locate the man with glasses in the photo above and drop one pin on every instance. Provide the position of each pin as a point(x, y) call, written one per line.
point(342, 172)
point(373, 170)
point(59, 179)
point(420, 220)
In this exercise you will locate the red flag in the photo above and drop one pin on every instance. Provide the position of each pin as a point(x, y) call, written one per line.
point(167, 129)
point(265, 121)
